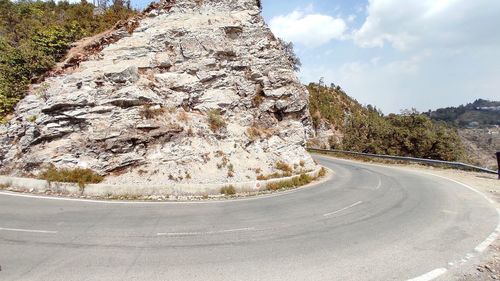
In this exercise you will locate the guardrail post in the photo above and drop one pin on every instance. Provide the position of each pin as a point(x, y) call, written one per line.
point(498, 162)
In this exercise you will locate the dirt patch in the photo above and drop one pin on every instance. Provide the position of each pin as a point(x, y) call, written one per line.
point(481, 145)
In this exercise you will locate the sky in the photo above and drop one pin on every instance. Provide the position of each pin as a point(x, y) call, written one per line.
point(395, 54)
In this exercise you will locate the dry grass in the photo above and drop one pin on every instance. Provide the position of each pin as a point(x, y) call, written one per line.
point(77, 175)
point(255, 132)
point(280, 165)
point(215, 120)
point(182, 116)
point(301, 180)
point(274, 176)
point(258, 99)
point(150, 112)
point(228, 190)
point(322, 172)
point(230, 170)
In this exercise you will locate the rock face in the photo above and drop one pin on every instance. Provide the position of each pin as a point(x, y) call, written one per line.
point(200, 91)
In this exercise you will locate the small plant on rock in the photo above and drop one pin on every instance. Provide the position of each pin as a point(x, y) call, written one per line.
point(255, 132)
point(182, 116)
point(5, 185)
point(151, 112)
point(32, 118)
point(322, 172)
point(215, 120)
point(230, 170)
point(301, 180)
point(280, 165)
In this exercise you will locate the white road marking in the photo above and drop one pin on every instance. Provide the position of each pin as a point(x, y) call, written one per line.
point(379, 183)
point(494, 235)
point(431, 275)
point(490, 239)
point(343, 209)
point(464, 185)
point(28, 230)
point(205, 232)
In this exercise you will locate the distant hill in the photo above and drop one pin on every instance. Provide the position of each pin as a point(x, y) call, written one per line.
point(341, 122)
point(481, 114)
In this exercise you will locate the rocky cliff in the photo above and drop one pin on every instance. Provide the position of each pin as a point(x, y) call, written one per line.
point(192, 91)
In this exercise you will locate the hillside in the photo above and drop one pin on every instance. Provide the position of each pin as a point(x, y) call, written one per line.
point(35, 35)
point(481, 113)
point(330, 108)
point(478, 126)
point(187, 92)
point(341, 122)
point(481, 145)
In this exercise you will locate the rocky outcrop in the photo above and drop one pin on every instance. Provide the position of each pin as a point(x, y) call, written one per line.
point(199, 92)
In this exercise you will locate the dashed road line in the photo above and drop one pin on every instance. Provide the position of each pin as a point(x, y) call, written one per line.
point(28, 230)
point(343, 209)
point(205, 232)
point(379, 183)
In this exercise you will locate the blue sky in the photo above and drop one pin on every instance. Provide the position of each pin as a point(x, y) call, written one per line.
point(395, 54)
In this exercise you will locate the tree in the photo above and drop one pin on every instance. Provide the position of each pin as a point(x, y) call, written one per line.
point(34, 35)
point(294, 60)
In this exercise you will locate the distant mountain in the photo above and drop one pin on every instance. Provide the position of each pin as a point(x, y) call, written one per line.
point(481, 113)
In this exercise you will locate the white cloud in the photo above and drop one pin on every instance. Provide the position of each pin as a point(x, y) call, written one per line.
point(440, 23)
point(308, 28)
point(411, 53)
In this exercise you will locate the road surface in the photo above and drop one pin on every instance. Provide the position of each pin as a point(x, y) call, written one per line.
point(366, 223)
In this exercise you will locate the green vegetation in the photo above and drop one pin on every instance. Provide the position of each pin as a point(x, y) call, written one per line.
point(412, 135)
point(273, 176)
point(331, 104)
point(34, 35)
point(480, 113)
point(367, 130)
point(295, 182)
point(77, 175)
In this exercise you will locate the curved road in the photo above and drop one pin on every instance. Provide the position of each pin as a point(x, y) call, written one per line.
point(366, 223)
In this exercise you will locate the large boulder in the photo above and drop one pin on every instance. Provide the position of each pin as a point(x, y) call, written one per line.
point(200, 91)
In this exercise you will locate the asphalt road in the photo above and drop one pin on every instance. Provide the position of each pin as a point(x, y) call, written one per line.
point(366, 223)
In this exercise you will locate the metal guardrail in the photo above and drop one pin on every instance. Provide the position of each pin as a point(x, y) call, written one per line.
point(457, 165)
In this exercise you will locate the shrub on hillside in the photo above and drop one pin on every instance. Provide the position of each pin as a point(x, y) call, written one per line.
point(228, 190)
point(77, 175)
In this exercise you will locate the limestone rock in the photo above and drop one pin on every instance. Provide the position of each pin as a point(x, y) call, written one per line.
point(137, 110)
